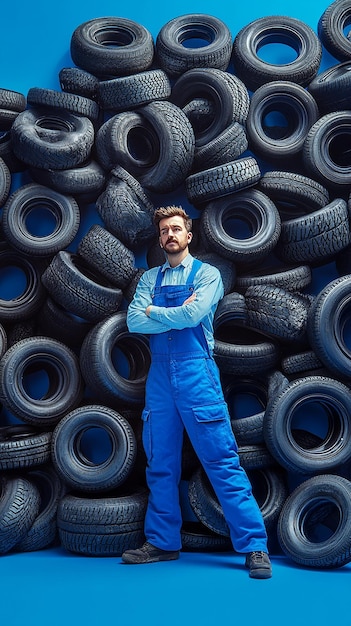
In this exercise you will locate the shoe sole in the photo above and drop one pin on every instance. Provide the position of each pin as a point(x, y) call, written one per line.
point(130, 560)
point(261, 573)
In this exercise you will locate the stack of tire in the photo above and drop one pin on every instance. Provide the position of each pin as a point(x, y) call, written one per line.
point(258, 154)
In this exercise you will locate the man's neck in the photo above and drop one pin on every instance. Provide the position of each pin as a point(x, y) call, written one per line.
point(176, 259)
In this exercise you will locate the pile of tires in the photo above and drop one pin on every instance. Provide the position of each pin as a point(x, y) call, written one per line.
point(258, 154)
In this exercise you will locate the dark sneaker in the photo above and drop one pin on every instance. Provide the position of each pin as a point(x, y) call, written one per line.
point(148, 554)
point(259, 565)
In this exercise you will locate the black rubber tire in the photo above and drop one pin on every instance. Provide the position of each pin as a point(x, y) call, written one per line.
point(74, 460)
point(244, 352)
point(261, 221)
point(84, 182)
point(196, 537)
point(23, 305)
point(64, 385)
point(269, 489)
point(231, 308)
point(331, 88)
point(102, 526)
point(5, 181)
point(302, 363)
point(107, 255)
point(331, 29)
point(246, 398)
point(47, 139)
point(98, 366)
point(19, 506)
point(328, 396)
point(289, 278)
point(129, 92)
point(76, 80)
point(293, 193)
point(331, 309)
point(276, 29)
point(112, 46)
point(277, 312)
point(21, 207)
point(325, 153)
point(39, 97)
point(43, 533)
point(80, 290)
point(275, 139)
point(55, 321)
point(314, 524)
point(222, 180)
point(229, 145)
point(23, 447)
point(176, 58)
point(227, 95)
point(12, 100)
point(126, 209)
point(317, 237)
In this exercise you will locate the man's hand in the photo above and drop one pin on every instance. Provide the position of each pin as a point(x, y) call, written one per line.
point(190, 299)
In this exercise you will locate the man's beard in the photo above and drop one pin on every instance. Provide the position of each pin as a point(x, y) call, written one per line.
point(180, 248)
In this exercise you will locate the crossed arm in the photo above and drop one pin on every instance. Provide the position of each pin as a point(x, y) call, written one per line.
point(144, 317)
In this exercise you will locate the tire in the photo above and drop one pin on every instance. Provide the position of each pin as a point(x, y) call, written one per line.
point(222, 180)
point(58, 389)
point(12, 100)
point(102, 526)
point(75, 286)
point(126, 209)
point(293, 193)
point(269, 489)
point(20, 305)
point(281, 114)
point(331, 29)
point(76, 463)
point(320, 395)
point(314, 524)
point(23, 204)
point(107, 255)
point(23, 447)
point(129, 92)
point(84, 182)
point(331, 88)
point(5, 182)
point(112, 46)
point(256, 212)
point(246, 398)
point(76, 80)
point(244, 352)
point(45, 139)
point(19, 506)
point(317, 237)
point(276, 312)
point(175, 57)
point(324, 156)
point(79, 105)
point(43, 533)
point(196, 537)
point(229, 145)
point(331, 309)
point(98, 367)
point(227, 95)
point(285, 30)
point(302, 363)
point(56, 322)
point(290, 278)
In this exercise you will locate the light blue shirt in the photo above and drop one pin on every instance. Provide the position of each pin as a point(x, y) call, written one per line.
point(208, 287)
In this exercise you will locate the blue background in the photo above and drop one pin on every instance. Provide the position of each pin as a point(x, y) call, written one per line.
point(53, 587)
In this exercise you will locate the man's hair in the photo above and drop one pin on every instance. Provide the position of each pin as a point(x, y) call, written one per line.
point(170, 211)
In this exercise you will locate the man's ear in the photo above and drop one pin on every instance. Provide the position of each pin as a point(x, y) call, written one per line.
point(190, 236)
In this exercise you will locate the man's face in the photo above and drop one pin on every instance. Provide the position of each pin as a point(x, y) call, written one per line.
point(174, 238)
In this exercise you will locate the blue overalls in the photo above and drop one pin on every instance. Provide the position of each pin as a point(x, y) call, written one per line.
point(183, 389)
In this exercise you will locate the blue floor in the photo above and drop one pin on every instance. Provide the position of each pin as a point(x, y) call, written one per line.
point(54, 587)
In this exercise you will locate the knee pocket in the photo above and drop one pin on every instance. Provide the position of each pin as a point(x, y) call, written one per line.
point(214, 435)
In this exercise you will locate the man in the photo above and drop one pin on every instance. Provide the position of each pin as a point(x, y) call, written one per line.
point(175, 305)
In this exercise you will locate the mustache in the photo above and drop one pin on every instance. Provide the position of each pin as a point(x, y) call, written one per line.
point(171, 240)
